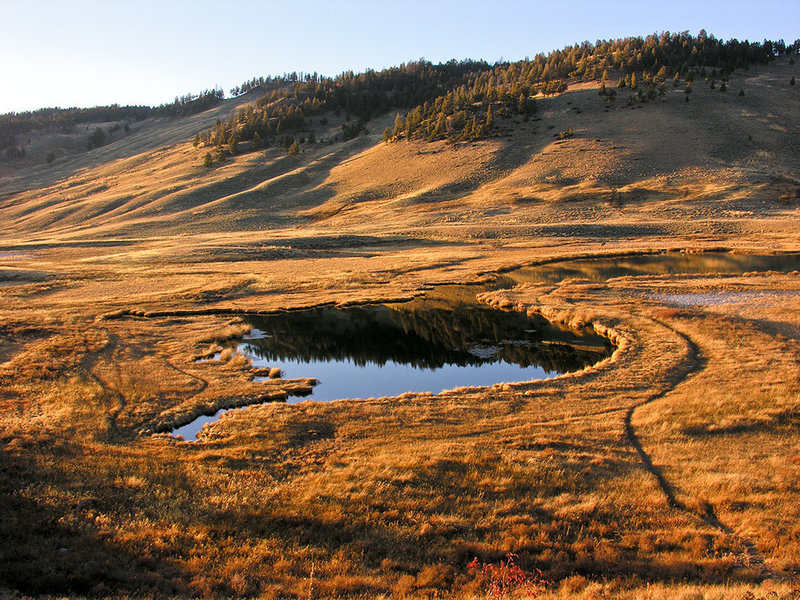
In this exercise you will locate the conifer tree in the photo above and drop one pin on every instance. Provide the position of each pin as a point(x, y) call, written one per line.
point(399, 125)
point(467, 131)
point(441, 127)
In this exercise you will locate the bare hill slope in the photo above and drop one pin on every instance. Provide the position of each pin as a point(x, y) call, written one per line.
point(581, 167)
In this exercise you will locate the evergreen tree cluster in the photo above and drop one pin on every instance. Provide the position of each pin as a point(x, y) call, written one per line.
point(272, 82)
point(465, 100)
point(97, 139)
point(15, 125)
point(283, 112)
point(456, 100)
point(369, 93)
point(276, 122)
point(190, 104)
point(508, 89)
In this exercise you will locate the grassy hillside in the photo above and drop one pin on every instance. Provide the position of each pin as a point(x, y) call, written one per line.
point(720, 156)
point(669, 470)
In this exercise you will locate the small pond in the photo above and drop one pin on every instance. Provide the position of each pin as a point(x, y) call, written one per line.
point(443, 341)
point(420, 346)
point(672, 263)
point(448, 339)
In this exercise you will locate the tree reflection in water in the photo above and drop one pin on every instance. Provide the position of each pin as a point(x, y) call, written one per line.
point(422, 345)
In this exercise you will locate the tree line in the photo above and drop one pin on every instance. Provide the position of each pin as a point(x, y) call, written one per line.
point(471, 110)
point(14, 125)
point(455, 100)
point(464, 100)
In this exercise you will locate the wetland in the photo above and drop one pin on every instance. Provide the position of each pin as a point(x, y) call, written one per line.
point(449, 340)
point(443, 341)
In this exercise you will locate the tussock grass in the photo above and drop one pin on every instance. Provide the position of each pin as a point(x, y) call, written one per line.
point(667, 470)
point(396, 496)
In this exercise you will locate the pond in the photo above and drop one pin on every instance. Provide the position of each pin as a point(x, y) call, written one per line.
point(443, 341)
point(447, 339)
point(672, 263)
point(424, 345)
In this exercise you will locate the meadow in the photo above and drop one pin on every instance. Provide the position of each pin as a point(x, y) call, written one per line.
point(670, 469)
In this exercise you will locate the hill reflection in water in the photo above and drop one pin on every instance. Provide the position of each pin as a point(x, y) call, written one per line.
point(425, 345)
point(674, 263)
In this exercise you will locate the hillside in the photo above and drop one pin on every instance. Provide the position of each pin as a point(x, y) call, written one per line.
point(721, 157)
point(667, 470)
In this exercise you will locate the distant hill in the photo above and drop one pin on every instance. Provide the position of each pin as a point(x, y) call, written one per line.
point(693, 123)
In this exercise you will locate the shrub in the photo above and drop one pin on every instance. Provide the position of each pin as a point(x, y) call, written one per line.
point(507, 579)
point(97, 139)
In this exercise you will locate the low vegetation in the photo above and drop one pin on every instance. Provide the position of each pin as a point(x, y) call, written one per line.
point(413, 496)
point(669, 470)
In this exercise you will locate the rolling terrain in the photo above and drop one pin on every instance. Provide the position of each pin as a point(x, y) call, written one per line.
point(667, 470)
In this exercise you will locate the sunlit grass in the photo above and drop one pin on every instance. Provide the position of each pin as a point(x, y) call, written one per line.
point(396, 497)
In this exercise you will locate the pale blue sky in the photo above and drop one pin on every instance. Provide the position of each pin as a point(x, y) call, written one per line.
point(95, 52)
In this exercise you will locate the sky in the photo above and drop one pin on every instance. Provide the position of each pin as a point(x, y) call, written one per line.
point(96, 52)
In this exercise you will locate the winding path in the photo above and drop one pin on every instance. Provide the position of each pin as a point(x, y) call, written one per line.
point(694, 363)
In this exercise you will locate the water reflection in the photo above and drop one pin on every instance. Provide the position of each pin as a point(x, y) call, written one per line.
point(602, 269)
point(424, 345)
point(422, 336)
point(449, 340)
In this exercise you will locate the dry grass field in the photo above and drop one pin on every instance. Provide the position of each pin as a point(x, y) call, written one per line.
point(670, 470)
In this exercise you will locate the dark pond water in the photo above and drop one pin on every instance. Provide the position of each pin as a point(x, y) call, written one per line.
point(419, 346)
point(674, 263)
point(449, 340)
point(427, 345)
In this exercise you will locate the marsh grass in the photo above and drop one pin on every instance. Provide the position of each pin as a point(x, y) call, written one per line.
point(397, 496)
point(394, 497)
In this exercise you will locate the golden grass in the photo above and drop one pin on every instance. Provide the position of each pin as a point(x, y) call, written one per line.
point(668, 470)
point(396, 496)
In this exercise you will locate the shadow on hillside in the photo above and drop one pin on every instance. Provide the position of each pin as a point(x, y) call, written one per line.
point(517, 149)
point(146, 136)
point(262, 196)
